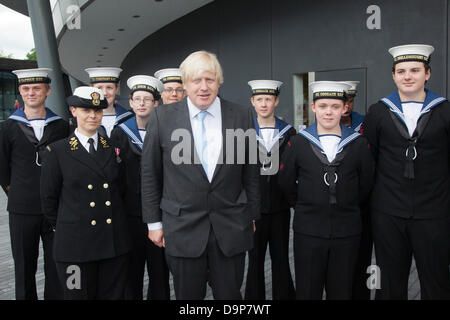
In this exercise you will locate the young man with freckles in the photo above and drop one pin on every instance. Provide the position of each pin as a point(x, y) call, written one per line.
point(408, 132)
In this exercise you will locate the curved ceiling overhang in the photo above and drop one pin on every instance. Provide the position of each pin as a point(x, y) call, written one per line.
point(110, 29)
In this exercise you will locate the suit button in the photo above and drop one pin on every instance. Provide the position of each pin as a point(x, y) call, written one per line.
point(108, 221)
point(92, 204)
point(108, 203)
point(106, 186)
point(93, 222)
point(90, 187)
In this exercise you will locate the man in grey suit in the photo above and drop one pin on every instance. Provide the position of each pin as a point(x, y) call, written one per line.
point(199, 198)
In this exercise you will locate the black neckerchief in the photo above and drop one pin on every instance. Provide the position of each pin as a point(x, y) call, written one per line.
point(330, 176)
point(411, 151)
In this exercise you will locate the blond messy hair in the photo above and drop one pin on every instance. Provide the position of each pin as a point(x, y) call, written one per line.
point(198, 62)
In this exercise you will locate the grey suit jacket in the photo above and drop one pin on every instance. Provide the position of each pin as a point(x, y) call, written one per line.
point(181, 196)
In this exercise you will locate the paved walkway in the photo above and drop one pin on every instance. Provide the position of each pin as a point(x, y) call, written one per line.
point(7, 266)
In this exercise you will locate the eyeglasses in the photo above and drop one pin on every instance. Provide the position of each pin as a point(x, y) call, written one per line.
point(171, 90)
point(146, 100)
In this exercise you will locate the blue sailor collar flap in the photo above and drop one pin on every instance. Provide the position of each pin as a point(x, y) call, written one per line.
point(394, 103)
point(348, 135)
point(121, 113)
point(281, 127)
point(357, 120)
point(131, 130)
point(19, 115)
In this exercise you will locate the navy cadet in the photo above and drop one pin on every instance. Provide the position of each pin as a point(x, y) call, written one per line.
point(408, 132)
point(82, 199)
point(23, 138)
point(334, 170)
point(129, 135)
point(106, 79)
point(173, 85)
point(354, 120)
point(273, 227)
point(350, 118)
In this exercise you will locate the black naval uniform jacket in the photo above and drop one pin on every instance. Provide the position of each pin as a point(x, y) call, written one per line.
point(425, 193)
point(126, 136)
point(21, 157)
point(82, 200)
point(314, 214)
point(272, 198)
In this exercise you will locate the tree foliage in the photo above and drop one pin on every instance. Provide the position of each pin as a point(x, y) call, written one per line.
point(32, 55)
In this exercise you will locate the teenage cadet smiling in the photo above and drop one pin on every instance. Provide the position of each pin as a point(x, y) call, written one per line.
point(410, 78)
point(328, 113)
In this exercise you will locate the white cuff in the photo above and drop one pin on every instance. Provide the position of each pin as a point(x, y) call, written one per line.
point(154, 226)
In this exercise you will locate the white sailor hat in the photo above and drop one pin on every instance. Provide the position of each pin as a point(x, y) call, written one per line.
point(29, 76)
point(103, 74)
point(169, 75)
point(411, 52)
point(145, 83)
point(87, 97)
point(271, 87)
point(352, 91)
point(329, 90)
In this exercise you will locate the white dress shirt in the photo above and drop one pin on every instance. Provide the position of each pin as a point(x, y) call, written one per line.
point(213, 127)
point(84, 139)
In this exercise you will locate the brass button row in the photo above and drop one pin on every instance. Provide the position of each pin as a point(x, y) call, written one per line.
point(108, 221)
point(105, 186)
point(107, 203)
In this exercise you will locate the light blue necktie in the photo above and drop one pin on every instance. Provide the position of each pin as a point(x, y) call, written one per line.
point(202, 141)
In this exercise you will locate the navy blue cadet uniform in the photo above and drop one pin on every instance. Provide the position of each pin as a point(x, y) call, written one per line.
point(21, 157)
point(127, 137)
point(273, 227)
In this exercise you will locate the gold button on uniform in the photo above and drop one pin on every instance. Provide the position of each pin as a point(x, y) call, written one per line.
point(93, 222)
point(90, 187)
point(92, 204)
point(108, 203)
point(108, 221)
point(106, 186)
